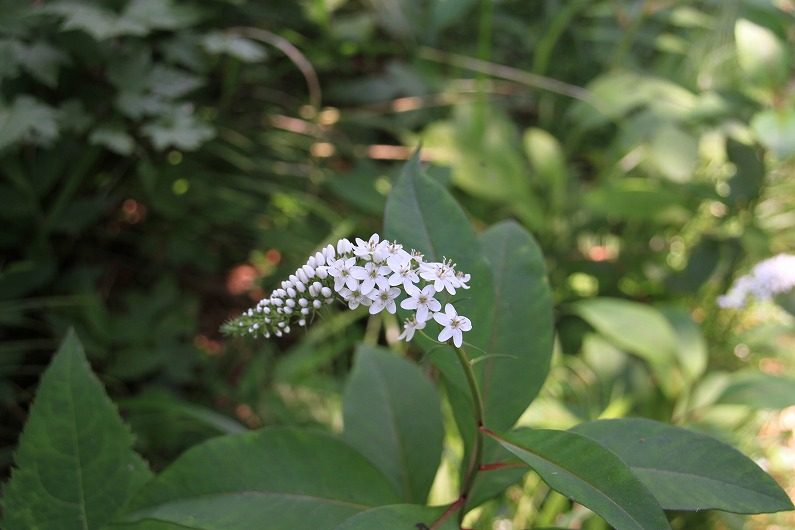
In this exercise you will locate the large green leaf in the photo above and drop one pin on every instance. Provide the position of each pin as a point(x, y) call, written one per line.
point(393, 417)
point(636, 327)
point(688, 471)
point(275, 479)
point(758, 390)
point(422, 215)
point(585, 471)
point(399, 517)
point(74, 465)
point(521, 331)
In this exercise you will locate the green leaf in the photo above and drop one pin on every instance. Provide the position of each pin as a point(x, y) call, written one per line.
point(179, 129)
point(398, 517)
point(635, 199)
point(42, 61)
point(636, 327)
point(674, 152)
point(522, 325)
point(240, 48)
point(422, 215)
point(548, 161)
point(585, 471)
point(393, 417)
point(758, 390)
point(485, 152)
point(763, 57)
point(27, 120)
point(686, 470)
point(274, 479)
point(775, 129)
point(98, 22)
point(160, 14)
point(74, 465)
point(691, 348)
point(114, 138)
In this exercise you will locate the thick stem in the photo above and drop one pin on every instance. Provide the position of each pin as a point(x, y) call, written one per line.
point(476, 456)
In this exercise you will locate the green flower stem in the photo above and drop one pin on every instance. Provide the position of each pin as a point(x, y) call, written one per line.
point(477, 401)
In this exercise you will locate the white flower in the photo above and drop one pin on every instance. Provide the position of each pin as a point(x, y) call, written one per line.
point(767, 279)
point(423, 301)
point(354, 297)
point(344, 246)
point(409, 327)
point(341, 271)
point(371, 275)
point(405, 275)
point(366, 249)
point(441, 274)
point(462, 279)
point(384, 298)
point(453, 325)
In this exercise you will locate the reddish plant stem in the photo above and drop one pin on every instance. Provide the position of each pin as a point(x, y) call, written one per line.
point(500, 465)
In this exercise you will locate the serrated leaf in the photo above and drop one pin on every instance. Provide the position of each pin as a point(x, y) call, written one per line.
point(585, 471)
point(96, 21)
point(179, 129)
point(274, 479)
point(74, 466)
point(43, 62)
point(398, 517)
point(160, 14)
point(27, 119)
point(393, 416)
point(114, 138)
point(685, 470)
point(240, 48)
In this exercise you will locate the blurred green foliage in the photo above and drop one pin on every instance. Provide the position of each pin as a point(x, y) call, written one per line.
point(164, 162)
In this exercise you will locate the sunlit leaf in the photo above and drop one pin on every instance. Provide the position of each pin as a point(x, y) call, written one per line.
point(686, 470)
point(585, 471)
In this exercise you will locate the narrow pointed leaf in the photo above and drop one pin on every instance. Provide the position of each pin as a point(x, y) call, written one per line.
point(74, 467)
point(400, 517)
point(393, 417)
point(585, 471)
point(275, 479)
point(685, 470)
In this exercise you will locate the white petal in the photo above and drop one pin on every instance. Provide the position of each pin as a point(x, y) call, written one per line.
point(458, 338)
point(445, 334)
point(422, 313)
point(409, 303)
point(442, 319)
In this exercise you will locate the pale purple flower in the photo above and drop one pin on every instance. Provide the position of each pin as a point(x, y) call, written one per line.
point(767, 279)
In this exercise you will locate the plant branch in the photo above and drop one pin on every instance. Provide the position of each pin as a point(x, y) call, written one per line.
point(477, 402)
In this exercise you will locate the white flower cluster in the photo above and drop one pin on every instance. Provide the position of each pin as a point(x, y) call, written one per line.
point(768, 278)
point(373, 273)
